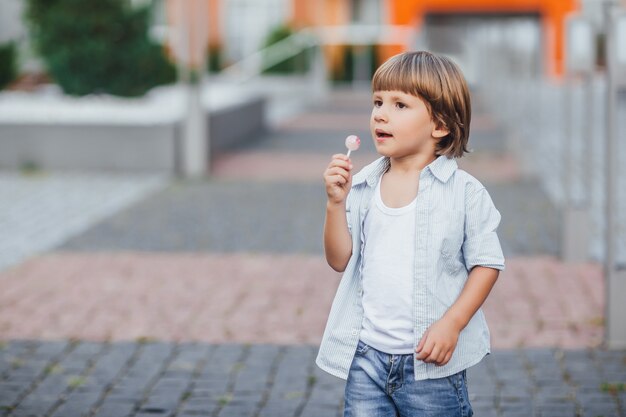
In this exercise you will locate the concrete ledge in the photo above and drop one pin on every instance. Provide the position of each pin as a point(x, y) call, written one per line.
point(152, 148)
point(52, 131)
point(237, 124)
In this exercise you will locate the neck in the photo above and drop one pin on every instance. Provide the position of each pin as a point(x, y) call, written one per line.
point(410, 164)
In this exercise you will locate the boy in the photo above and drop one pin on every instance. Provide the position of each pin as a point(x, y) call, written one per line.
point(416, 240)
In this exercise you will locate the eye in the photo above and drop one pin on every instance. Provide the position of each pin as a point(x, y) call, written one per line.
point(378, 103)
point(400, 105)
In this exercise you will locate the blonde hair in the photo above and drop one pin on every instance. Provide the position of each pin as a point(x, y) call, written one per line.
point(439, 82)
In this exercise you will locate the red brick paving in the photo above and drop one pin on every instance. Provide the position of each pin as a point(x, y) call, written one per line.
point(263, 298)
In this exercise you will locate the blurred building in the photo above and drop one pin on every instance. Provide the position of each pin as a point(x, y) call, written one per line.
point(240, 27)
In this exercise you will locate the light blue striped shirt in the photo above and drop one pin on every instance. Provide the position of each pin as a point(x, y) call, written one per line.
point(456, 224)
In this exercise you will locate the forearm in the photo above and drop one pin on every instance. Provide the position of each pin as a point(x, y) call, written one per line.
point(478, 286)
point(337, 239)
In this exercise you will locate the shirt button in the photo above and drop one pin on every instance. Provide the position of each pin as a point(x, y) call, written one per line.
point(354, 332)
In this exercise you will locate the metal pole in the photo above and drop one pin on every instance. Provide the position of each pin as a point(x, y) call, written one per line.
point(609, 259)
point(203, 23)
point(615, 308)
point(586, 149)
point(194, 152)
point(575, 231)
point(566, 163)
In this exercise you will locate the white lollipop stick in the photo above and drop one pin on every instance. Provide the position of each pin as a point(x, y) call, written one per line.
point(352, 143)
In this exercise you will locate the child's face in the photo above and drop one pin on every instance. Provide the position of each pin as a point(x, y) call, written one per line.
point(401, 125)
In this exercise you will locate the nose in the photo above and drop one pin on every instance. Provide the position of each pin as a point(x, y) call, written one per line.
point(379, 115)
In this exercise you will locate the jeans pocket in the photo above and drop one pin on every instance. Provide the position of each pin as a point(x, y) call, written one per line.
point(362, 348)
point(456, 381)
point(460, 382)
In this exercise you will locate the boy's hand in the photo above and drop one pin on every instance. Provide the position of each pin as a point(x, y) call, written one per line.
point(338, 178)
point(438, 343)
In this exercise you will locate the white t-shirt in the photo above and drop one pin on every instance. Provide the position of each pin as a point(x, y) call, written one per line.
point(388, 262)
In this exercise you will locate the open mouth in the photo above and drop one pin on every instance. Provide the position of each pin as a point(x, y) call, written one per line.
point(381, 134)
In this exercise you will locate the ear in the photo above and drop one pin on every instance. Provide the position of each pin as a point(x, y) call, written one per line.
point(440, 131)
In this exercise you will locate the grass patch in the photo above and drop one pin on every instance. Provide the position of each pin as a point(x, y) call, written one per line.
point(294, 395)
point(224, 399)
point(53, 369)
point(17, 362)
point(30, 168)
point(76, 381)
point(613, 387)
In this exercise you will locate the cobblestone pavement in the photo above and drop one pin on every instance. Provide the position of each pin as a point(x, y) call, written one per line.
point(144, 378)
point(208, 298)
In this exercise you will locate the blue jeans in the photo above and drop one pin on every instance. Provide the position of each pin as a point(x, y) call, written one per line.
point(383, 385)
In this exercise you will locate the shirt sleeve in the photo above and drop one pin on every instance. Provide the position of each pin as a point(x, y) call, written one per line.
point(481, 246)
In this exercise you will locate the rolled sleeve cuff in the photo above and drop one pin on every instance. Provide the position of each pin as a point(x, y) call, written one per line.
point(484, 250)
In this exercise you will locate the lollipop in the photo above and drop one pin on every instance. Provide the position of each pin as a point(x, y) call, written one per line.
point(352, 143)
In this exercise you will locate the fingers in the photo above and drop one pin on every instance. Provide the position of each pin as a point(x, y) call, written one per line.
point(338, 171)
point(338, 178)
point(424, 348)
point(429, 351)
point(434, 354)
point(340, 161)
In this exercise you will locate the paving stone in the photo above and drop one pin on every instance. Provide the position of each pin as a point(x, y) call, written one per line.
point(314, 410)
point(154, 413)
point(115, 410)
point(33, 409)
point(87, 197)
point(199, 404)
point(484, 412)
point(279, 408)
point(564, 409)
point(325, 398)
point(239, 410)
point(515, 394)
point(193, 413)
point(516, 413)
point(171, 384)
point(599, 410)
point(72, 410)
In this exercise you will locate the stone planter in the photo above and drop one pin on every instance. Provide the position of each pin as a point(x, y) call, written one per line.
point(49, 130)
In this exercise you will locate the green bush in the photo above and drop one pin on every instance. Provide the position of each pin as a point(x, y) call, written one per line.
point(346, 72)
point(8, 63)
point(296, 64)
point(214, 58)
point(98, 46)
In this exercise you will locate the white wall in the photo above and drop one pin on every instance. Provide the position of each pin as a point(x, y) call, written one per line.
point(246, 24)
point(11, 26)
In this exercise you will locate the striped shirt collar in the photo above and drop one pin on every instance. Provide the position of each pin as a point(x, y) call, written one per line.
point(442, 168)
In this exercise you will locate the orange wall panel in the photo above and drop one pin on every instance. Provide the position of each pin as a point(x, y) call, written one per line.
point(200, 19)
point(553, 13)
